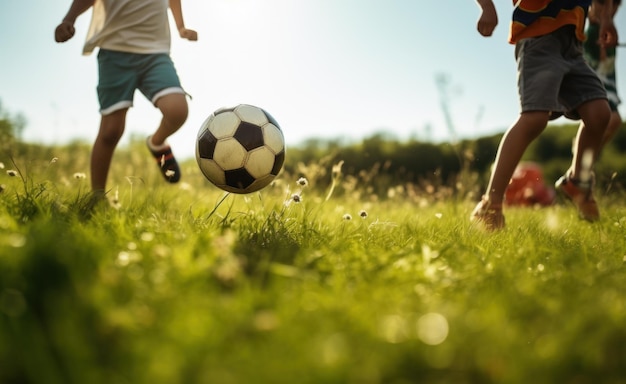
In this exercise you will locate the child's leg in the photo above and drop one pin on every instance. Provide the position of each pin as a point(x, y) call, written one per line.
point(111, 130)
point(595, 115)
point(577, 183)
point(175, 110)
point(612, 128)
point(513, 145)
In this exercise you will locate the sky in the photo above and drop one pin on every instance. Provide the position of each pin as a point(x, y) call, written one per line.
point(325, 69)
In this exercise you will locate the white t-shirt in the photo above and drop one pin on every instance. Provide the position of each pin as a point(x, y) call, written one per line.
point(136, 26)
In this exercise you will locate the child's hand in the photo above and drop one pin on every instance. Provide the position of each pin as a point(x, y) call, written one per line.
point(64, 32)
point(608, 34)
point(488, 20)
point(188, 34)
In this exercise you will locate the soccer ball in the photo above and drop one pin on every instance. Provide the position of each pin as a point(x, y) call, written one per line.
point(240, 149)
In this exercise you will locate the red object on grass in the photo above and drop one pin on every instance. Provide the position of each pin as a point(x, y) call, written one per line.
point(528, 188)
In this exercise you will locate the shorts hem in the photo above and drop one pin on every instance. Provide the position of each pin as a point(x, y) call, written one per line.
point(167, 91)
point(116, 107)
point(588, 99)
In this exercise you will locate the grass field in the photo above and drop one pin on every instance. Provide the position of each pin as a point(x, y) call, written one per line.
point(185, 284)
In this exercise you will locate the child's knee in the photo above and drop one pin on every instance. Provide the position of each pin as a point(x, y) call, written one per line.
point(112, 128)
point(176, 116)
point(596, 114)
point(532, 123)
point(108, 138)
point(174, 109)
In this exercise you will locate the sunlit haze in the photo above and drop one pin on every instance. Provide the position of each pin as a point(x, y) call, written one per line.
point(325, 69)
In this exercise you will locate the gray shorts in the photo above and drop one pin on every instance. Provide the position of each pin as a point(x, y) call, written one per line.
point(553, 75)
point(121, 73)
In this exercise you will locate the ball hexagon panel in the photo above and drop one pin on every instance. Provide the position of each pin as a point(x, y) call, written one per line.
point(212, 171)
point(259, 183)
point(238, 179)
point(278, 163)
point(273, 138)
point(250, 136)
point(205, 145)
point(229, 154)
point(251, 114)
point(205, 125)
point(271, 119)
point(224, 124)
point(260, 162)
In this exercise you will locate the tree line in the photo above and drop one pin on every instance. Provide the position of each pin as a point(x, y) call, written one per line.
point(385, 160)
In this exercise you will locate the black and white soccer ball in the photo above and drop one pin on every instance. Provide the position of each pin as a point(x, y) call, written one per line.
point(240, 149)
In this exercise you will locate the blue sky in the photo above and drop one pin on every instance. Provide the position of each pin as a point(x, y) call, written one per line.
point(323, 68)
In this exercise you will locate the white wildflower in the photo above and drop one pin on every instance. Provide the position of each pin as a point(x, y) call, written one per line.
point(303, 182)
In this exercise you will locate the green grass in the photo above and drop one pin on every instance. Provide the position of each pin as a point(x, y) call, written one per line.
point(184, 284)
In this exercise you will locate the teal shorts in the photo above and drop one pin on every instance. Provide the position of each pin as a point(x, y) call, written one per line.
point(121, 73)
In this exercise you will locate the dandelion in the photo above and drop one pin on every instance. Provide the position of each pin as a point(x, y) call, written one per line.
point(336, 172)
point(363, 214)
point(115, 200)
point(79, 175)
point(12, 172)
point(303, 182)
point(347, 217)
point(297, 198)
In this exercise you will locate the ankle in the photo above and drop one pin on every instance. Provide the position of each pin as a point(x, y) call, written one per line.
point(583, 180)
point(154, 146)
point(491, 203)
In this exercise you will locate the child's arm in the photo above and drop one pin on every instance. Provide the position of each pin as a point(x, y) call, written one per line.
point(177, 12)
point(65, 30)
point(608, 32)
point(488, 18)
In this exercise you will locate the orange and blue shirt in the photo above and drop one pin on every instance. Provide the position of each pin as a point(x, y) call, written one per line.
point(532, 18)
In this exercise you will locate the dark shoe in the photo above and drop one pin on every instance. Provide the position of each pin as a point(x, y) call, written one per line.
point(166, 161)
point(581, 195)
